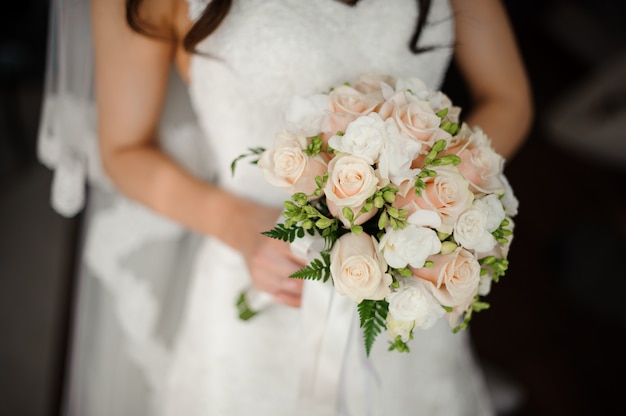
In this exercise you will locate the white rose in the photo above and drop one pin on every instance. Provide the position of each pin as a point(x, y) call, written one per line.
point(365, 137)
point(470, 231)
point(351, 180)
point(413, 302)
point(509, 201)
point(399, 328)
point(357, 269)
point(308, 116)
point(394, 162)
point(409, 246)
point(286, 165)
point(494, 210)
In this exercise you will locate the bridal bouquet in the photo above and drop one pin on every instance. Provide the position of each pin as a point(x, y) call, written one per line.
point(413, 206)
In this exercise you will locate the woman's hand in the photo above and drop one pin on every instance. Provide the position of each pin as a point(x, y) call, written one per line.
point(269, 261)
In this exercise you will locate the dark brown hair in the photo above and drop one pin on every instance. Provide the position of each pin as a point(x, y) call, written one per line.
point(217, 10)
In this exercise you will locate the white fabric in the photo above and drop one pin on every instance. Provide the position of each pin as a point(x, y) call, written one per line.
point(196, 7)
point(140, 350)
point(263, 53)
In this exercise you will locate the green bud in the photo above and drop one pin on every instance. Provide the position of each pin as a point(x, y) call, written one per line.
point(356, 229)
point(367, 207)
point(393, 212)
point(347, 213)
point(442, 236)
point(307, 225)
point(454, 129)
point(406, 272)
point(290, 206)
point(382, 220)
point(389, 196)
point(439, 146)
point(448, 247)
point(323, 223)
point(446, 125)
point(442, 113)
point(429, 263)
point(379, 202)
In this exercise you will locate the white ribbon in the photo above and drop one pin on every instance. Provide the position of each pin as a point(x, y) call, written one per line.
point(327, 319)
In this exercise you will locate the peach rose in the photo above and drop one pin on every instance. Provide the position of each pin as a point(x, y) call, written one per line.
point(357, 269)
point(347, 104)
point(414, 118)
point(448, 193)
point(372, 83)
point(286, 166)
point(454, 278)
point(480, 164)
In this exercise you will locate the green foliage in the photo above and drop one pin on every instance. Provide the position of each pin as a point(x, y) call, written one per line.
point(477, 306)
point(399, 345)
point(245, 312)
point(314, 147)
point(280, 232)
point(252, 151)
point(498, 267)
point(318, 269)
point(373, 315)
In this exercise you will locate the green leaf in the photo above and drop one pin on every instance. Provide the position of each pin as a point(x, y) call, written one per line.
point(318, 269)
point(372, 316)
point(442, 113)
point(253, 151)
point(280, 232)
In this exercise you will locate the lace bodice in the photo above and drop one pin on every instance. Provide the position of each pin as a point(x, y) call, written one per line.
point(266, 51)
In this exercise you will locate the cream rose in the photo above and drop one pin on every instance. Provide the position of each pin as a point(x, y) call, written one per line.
point(413, 302)
point(286, 166)
point(454, 278)
point(357, 269)
point(351, 180)
point(409, 246)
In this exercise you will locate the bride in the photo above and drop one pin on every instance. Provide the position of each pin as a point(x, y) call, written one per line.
point(172, 237)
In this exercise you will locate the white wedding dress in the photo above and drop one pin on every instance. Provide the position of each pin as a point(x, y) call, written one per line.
point(157, 331)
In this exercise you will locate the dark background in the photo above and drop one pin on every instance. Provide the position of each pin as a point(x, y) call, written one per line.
point(554, 336)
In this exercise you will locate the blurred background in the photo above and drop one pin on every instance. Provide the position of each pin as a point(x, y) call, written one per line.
point(553, 342)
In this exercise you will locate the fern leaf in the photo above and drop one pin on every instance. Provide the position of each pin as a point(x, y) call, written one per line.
point(372, 314)
point(316, 270)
